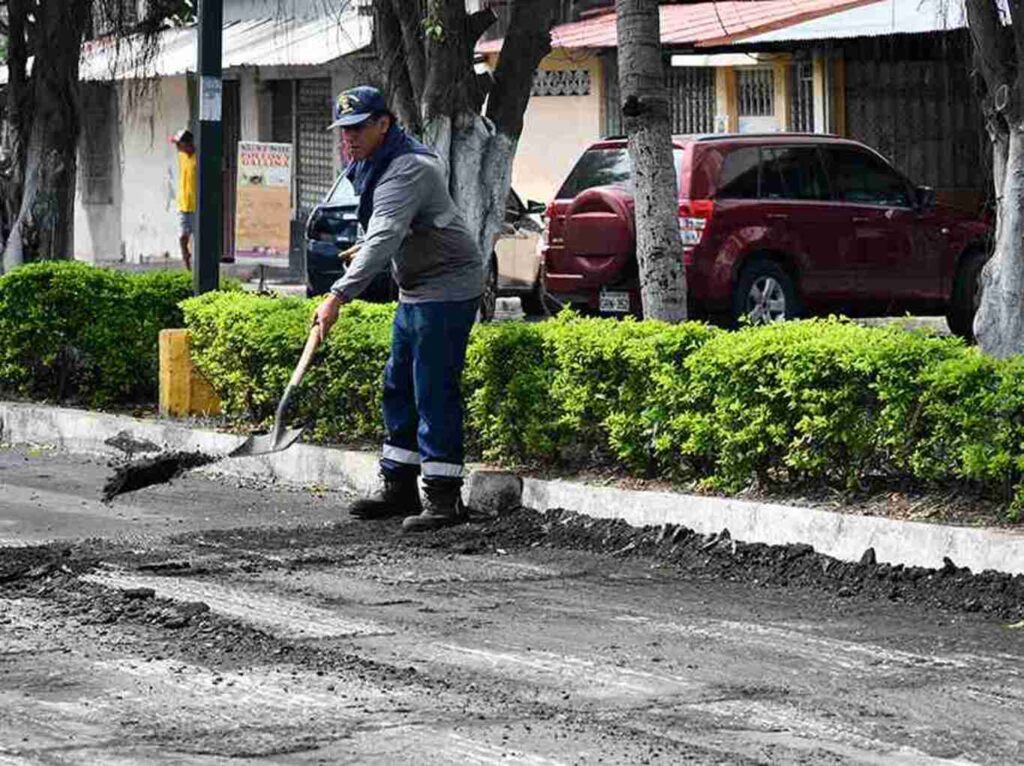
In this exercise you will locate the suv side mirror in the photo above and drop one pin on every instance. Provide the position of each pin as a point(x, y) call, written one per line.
point(925, 197)
point(533, 207)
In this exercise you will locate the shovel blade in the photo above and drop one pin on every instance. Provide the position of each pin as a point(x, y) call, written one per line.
point(264, 444)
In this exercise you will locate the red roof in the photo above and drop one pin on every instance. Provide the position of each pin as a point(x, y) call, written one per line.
point(697, 24)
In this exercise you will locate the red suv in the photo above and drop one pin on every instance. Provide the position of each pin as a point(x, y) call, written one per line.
point(773, 227)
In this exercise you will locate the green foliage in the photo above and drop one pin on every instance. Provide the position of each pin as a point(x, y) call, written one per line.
point(821, 403)
point(73, 332)
point(247, 346)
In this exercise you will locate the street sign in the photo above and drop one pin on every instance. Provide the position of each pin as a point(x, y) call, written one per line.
point(264, 201)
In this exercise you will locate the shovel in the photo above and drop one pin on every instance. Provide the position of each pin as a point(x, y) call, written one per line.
point(281, 438)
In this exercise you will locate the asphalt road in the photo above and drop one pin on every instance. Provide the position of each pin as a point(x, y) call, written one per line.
point(203, 622)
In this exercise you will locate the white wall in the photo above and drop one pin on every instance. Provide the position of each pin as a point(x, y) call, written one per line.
point(149, 167)
point(556, 130)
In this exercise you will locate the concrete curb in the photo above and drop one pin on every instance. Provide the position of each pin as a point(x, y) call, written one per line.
point(840, 535)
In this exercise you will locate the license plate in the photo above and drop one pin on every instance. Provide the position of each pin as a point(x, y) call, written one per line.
point(614, 302)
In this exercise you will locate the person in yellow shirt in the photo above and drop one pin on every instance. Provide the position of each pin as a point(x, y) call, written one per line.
point(186, 192)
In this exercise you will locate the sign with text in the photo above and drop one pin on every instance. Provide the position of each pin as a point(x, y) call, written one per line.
point(264, 210)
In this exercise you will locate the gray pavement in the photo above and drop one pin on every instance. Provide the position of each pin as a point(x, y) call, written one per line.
point(204, 622)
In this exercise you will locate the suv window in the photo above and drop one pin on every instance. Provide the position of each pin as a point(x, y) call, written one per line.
point(793, 172)
point(864, 178)
point(739, 175)
point(605, 167)
point(342, 193)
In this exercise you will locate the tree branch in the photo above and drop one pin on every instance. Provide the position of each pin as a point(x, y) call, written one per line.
point(479, 23)
point(450, 86)
point(390, 52)
point(527, 43)
point(410, 19)
point(993, 52)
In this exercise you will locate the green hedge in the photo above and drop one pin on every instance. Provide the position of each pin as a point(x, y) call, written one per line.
point(74, 332)
point(820, 403)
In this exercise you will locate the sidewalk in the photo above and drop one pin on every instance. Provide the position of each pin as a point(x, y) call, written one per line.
point(843, 536)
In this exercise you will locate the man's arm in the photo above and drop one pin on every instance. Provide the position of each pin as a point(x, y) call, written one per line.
point(396, 200)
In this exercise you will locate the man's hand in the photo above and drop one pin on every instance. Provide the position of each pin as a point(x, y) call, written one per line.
point(327, 314)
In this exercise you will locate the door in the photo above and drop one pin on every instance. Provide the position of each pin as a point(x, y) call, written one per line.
point(755, 100)
point(804, 222)
point(878, 200)
point(314, 144)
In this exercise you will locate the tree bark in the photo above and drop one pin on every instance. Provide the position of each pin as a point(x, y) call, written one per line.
point(477, 147)
point(999, 323)
point(659, 248)
point(17, 119)
point(43, 227)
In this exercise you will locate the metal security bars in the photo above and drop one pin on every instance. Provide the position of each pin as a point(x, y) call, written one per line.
point(691, 93)
point(755, 89)
point(314, 143)
point(802, 98)
point(692, 98)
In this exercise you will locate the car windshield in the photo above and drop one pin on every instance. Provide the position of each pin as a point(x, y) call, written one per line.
point(342, 193)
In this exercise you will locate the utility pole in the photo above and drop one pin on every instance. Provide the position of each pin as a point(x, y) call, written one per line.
point(210, 207)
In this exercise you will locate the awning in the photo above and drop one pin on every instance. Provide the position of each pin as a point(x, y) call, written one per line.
point(886, 17)
point(251, 43)
point(698, 24)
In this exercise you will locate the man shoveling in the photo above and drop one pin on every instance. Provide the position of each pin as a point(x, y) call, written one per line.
point(409, 219)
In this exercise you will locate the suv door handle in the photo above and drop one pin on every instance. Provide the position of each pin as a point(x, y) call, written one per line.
point(861, 219)
point(777, 216)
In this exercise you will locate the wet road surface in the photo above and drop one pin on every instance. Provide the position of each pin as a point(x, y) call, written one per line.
point(203, 622)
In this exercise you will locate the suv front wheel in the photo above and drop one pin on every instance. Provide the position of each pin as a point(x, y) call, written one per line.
point(764, 294)
point(963, 303)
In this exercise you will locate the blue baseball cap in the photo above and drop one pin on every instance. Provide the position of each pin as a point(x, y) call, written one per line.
point(355, 105)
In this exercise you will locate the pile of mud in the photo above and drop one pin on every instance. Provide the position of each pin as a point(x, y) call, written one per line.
point(147, 471)
point(673, 548)
point(718, 556)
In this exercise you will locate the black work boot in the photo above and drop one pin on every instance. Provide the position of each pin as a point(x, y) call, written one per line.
point(399, 496)
point(442, 507)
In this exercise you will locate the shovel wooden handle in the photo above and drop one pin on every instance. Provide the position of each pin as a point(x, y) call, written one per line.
point(348, 255)
point(307, 355)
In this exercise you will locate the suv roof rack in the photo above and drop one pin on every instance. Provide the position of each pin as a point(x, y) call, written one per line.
point(778, 134)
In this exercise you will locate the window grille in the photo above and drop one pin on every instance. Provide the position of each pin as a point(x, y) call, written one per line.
point(315, 144)
point(756, 92)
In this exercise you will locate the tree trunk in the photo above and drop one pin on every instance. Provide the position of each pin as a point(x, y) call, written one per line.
point(659, 249)
point(17, 119)
point(436, 80)
point(43, 226)
point(999, 323)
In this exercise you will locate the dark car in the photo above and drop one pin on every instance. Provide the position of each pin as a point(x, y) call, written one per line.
point(331, 229)
point(773, 227)
point(514, 266)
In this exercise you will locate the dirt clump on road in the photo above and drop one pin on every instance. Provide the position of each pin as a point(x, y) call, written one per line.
point(147, 471)
point(719, 556)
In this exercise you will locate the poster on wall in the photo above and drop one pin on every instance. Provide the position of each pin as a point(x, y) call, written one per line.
point(264, 203)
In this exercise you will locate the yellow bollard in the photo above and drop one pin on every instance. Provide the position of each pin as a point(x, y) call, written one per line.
point(183, 390)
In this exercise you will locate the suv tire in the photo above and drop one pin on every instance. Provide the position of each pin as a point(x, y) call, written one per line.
point(963, 303)
point(764, 294)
